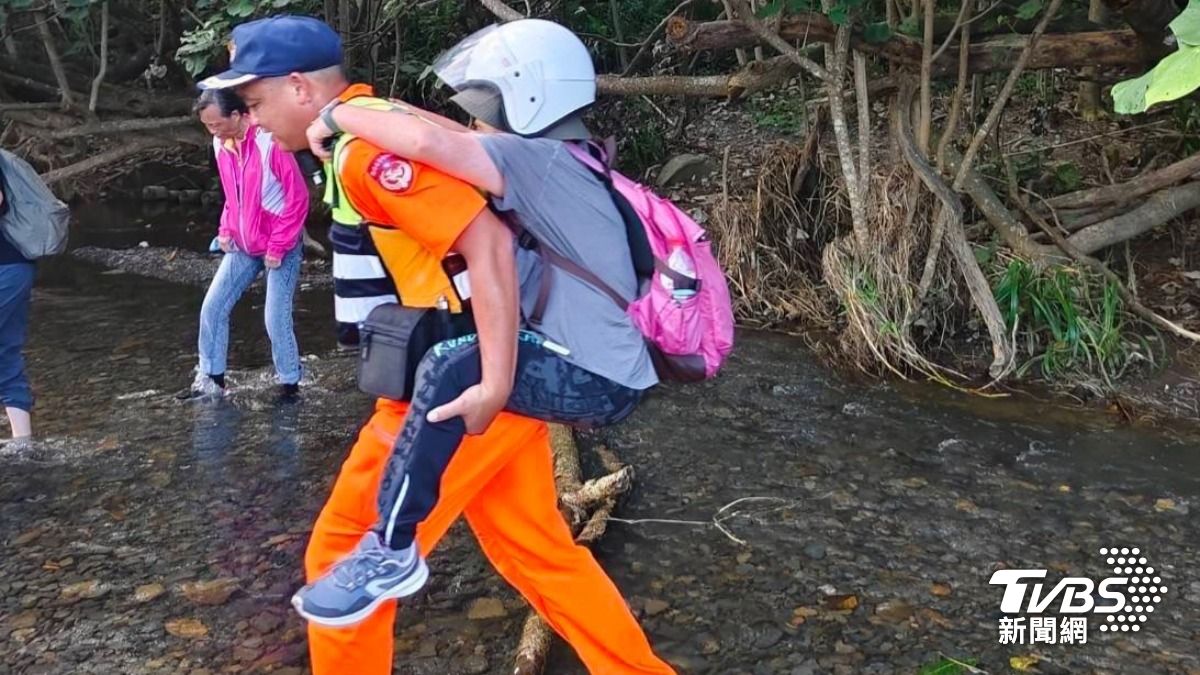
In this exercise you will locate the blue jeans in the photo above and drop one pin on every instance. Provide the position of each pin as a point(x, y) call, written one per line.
point(16, 286)
point(234, 276)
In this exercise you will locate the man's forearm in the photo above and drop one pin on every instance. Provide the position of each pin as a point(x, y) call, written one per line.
point(488, 249)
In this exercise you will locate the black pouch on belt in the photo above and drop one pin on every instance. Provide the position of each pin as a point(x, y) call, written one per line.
point(393, 340)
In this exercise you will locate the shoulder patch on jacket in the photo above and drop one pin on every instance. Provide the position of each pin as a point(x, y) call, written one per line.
point(391, 172)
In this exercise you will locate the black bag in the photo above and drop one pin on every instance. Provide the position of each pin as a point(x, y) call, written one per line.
point(394, 339)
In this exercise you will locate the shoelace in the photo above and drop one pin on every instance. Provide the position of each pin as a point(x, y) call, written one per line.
point(356, 570)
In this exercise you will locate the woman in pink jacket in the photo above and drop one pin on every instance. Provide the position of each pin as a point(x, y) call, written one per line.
point(266, 203)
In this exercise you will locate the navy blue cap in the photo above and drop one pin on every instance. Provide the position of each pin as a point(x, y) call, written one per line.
point(278, 46)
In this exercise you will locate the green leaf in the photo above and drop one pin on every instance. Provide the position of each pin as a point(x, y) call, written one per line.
point(1186, 26)
point(1176, 76)
point(280, 4)
point(1129, 96)
point(1068, 176)
point(910, 27)
point(1029, 9)
point(946, 667)
point(240, 8)
point(770, 9)
point(800, 5)
point(877, 33)
point(840, 14)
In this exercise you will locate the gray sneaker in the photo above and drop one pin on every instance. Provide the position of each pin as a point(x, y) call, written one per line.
point(356, 586)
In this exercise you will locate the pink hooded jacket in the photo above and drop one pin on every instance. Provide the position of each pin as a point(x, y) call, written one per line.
point(266, 199)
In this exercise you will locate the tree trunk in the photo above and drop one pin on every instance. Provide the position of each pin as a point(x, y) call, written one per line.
point(103, 58)
point(1089, 107)
point(60, 75)
point(10, 44)
point(956, 238)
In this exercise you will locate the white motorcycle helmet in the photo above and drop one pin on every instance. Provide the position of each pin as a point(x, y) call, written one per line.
point(537, 74)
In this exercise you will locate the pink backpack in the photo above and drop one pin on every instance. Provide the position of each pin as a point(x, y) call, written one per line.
point(687, 318)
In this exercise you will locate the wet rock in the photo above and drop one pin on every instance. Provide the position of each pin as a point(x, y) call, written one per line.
point(685, 168)
point(484, 609)
point(892, 611)
point(244, 654)
point(23, 620)
point(148, 593)
point(186, 628)
point(213, 592)
point(155, 193)
point(809, 667)
point(768, 636)
point(84, 590)
point(655, 607)
point(265, 622)
point(941, 590)
point(29, 536)
point(708, 644)
point(475, 664)
point(855, 409)
point(815, 551)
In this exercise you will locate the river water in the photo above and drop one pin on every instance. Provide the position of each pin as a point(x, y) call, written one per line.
point(860, 522)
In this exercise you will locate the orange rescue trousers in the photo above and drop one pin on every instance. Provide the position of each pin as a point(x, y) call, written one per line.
point(503, 481)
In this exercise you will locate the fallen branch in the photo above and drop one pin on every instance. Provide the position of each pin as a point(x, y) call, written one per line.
point(1160, 208)
point(956, 239)
point(772, 38)
point(1057, 50)
point(1011, 230)
point(122, 126)
point(9, 107)
point(96, 161)
point(1142, 185)
point(650, 38)
point(756, 76)
point(501, 10)
point(1134, 305)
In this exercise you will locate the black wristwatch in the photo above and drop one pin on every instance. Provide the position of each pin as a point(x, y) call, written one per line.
point(326, 116)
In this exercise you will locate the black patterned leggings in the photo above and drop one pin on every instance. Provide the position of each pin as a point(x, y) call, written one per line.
point(546, 387)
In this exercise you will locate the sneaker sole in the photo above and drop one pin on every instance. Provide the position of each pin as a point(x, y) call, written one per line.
point(415, 582)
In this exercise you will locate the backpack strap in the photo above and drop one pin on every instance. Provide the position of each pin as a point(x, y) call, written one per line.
point(550, 257)
point(597, 159)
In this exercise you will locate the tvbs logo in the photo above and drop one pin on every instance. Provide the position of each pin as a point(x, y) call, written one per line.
point(1125, 600)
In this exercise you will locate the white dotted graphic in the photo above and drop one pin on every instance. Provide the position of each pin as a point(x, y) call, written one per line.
point(1123, 561)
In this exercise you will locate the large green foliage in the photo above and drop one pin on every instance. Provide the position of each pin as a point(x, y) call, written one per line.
point(1176, 76)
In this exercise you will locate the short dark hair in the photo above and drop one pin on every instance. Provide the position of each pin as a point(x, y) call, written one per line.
point(226, 100)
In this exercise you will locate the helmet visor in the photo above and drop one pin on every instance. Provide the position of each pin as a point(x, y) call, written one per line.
point(473, 58)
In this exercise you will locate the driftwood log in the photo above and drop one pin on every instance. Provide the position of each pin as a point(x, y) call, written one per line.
point(587, 507)
point(1055, 50)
